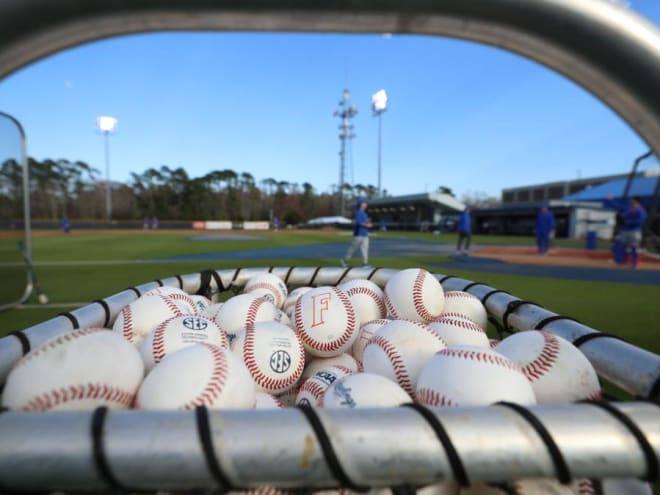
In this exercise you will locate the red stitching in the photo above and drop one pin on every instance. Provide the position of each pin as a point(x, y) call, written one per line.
point(332, 345)
point(482, 357)
point(315, 388)
point(259, 377)
point(396, 361)
point(585, 487)
point(158, 343)
point(463, 322)
point(178, 296)
point(216, 381)
point(270, 287)
point(368, 291)
point(459, 293)
point(542, 364)
point(596, 395)
point(390, 307)
point(430, 397)
point(62, 339)
point(127, 322)
point(51, 398)
point(418, 298)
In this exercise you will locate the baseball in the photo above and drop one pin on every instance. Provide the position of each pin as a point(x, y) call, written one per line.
point(292, 299)
point(272, 353)
point(414, 294)
point(211, 310)
point(399, 350)
point(177, 295)
point(472, 376)
point(144, 314)
point(465, 305)
point(460, 331)
point(367, 299)
point(343, 360)
point(326, 321)
point(76, 371)
point(557, 370)
point(312, 390)
point(366, 331)
point(177, 333)
point(201, 302)
point(242, 310)
point(269, 286)
point(530, 486)
point(267, 401)
point(364, 390)
point(199, 375)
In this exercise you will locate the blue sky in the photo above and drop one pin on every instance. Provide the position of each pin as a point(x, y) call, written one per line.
point(461, 115)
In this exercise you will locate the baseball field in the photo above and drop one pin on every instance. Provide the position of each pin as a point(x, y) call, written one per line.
point(82, 266)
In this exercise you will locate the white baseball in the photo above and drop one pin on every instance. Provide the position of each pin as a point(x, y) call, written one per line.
point(317, 364)
point(211, 310)
point(283, 318)
point(138, 318)
point(540, 486)
point(272, 353)
point(181, 297)
point(165, 290)
point(366, 331)
point(292, 299)
point(267, 401)
point(242, 310)
point(202, 302)
point(364, 390)
point(414, 294)
point(457, 330)
point(288, 398)
point(177, 333)
point(472, 376)
point(199, 375)
point(399, 350)
point(76, 371)
point(464, 304)
point(557, 370)
point(269, 286)
point(313, 388)
point(367, 299)
point(326, 321)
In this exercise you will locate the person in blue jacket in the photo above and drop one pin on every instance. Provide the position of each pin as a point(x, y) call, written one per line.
point(464, 232)
point(360, 234)
point(544, 228)
point(631, 224)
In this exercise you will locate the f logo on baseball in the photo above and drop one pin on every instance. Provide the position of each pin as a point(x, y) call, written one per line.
point(320, 304)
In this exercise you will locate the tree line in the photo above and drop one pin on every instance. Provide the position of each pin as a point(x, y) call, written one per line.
point(73, 189)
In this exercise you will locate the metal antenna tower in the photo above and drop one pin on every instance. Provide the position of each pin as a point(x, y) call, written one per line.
point(345, 112)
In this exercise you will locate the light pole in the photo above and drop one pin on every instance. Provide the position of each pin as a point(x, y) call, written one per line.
point(107, 125)
point(378, 106)
point(345, 113)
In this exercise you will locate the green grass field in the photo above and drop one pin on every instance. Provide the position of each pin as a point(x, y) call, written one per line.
point(80, 268)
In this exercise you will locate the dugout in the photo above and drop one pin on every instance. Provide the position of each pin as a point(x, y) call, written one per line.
point(424, 212)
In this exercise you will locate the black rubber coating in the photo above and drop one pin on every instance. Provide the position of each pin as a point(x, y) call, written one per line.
point(106, 310)
point(25, 342)
point(71, 318)
point(204, 432)
point(98, 450)
point(550, 319)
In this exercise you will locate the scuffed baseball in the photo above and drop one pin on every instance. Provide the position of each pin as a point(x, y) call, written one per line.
point(414, 294)
point(472, 376)
point(272, 353)
point(77, 371)
point(199, 375)
point(267, 285)
point(557, 370)
point(177, 333)
point(364, 390)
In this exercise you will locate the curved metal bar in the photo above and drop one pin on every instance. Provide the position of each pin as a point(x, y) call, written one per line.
point(150, 450)
point(610, 51)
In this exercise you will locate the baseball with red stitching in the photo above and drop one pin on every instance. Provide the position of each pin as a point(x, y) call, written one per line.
point(242, 310)
point(414, 294)
point(399, 350)
point(283, 318)
point(366, 332)
point(177, 333)
point(181, 297)
point(326, 322)
point(367, 299)
point(464, 304)
point(272, 353)
point(269, 286)
point(456, 330)
point(140, 317)
point(557, 370)
point(76, 371)
point(313, 388)
point(466, 375)
point(199, 375)
point(344, 360)
point(267, 401)
point(292, 299)
point(538, 486)
point(202, 302)
point(364, 390)
point(211, 310)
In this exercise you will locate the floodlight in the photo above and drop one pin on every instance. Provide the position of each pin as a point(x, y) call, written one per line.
point(106, 124)
point(379, 101)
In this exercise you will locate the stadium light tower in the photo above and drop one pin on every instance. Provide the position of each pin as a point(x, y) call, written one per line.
point(378, 106)
point(345, 112)
point(107, 125)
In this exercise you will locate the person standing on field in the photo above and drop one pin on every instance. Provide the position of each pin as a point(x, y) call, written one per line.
point(360, 235)
point(464, 232)
point(544, 228)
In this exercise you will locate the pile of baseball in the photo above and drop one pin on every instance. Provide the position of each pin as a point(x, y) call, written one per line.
point(349, 346)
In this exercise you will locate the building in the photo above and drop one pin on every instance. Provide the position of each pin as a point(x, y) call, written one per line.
point(427, 211)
